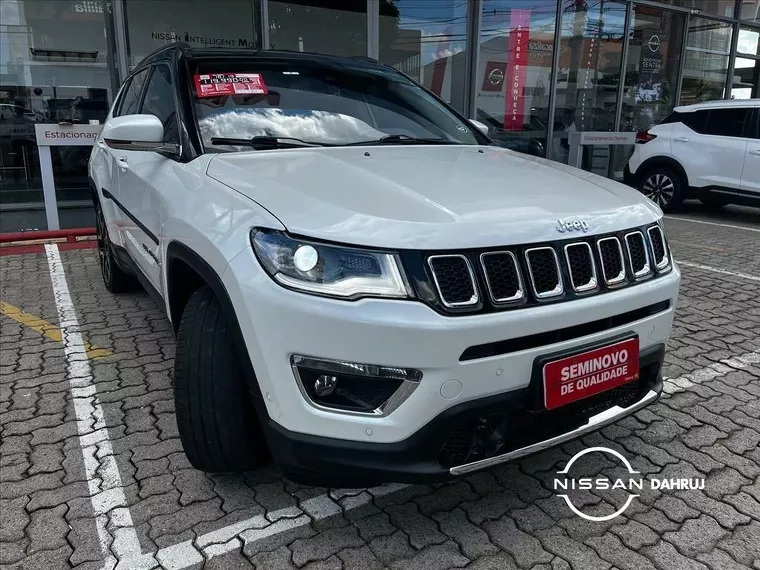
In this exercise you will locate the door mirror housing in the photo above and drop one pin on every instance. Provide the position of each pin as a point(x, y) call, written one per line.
point(137, 132)
point(482, 127)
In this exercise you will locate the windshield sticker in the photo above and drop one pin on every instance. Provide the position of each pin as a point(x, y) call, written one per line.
point(216, 84)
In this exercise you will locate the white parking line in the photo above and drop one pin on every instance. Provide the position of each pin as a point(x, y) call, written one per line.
point(673, 385)
point(116, 532)
point(733, 226)
point(718, 270)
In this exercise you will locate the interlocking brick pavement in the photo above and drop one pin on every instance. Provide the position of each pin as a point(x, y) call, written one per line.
point(708, 424)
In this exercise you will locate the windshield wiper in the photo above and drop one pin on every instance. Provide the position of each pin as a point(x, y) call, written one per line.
point(402, 139)
point(265, 142)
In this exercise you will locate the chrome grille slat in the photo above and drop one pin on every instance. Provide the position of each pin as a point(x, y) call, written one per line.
point(638, 254)
point(613, 269)
point(581, 266)
point(544, 272)
point(503, 278)
point(454, 280)
point(659, 248)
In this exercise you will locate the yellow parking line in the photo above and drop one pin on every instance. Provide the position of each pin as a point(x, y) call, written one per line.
point(47, 329)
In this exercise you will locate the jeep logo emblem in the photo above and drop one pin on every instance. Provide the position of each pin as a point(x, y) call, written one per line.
point(572, 226)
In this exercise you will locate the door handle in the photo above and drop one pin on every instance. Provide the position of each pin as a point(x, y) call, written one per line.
point(756, 151)
point(122, 162)
point(680, 139)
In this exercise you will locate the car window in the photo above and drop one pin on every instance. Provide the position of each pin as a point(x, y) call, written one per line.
point(159, 101)
point(320, 103)
point(726, 122)
point(695, 120)
point(131, 101)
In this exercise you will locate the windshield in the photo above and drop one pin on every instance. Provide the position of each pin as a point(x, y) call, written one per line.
point(318, 104)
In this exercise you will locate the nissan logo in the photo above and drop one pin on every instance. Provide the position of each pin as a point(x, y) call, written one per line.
point(496, 76)
point(654, 43)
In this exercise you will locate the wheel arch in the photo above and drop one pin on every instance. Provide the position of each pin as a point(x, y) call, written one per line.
point(661, 162)
point(186, 272)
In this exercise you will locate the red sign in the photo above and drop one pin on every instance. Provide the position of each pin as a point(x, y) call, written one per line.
point(215, 84)
point(493, 80)
point(583, 375)
point(517, 69)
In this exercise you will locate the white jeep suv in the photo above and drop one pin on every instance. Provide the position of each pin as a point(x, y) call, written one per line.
point(709, 151)
point(362, 284)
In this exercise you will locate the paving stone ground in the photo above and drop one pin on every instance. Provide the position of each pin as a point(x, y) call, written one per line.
point(708, 425)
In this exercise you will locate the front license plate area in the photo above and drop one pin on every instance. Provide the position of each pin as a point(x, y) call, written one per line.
point(591, 372)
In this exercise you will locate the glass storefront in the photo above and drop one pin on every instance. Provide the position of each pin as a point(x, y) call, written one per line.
point(534, 71)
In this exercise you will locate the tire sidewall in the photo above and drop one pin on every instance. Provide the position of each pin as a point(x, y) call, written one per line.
point(678, 186)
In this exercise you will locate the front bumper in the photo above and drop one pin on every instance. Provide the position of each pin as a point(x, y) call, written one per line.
point(443, 449)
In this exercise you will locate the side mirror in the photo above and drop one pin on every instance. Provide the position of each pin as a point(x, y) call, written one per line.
point(137, 132)
point(482, 127)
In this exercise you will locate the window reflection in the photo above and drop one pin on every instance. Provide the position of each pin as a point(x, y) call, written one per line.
point(705, 69)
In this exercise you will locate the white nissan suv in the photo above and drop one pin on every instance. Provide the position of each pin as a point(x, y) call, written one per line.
point(709, 151)
point(362, 285)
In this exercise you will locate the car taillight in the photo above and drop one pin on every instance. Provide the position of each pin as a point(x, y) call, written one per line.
point(644, 137)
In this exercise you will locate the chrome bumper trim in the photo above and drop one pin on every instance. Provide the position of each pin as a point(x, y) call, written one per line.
point(594, 423)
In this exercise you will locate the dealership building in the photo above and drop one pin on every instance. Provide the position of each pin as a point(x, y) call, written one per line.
point(534, 71)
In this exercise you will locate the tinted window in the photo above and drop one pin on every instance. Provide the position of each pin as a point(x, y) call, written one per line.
point(159, 101)
point(324, 104)
point(726, 122)
point(131, 100)
point(695, 120)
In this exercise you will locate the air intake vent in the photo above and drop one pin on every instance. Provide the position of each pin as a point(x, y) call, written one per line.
point(638, 256)
point(454, 280)
point(580, 263)
point(502, 277)
point(611, 255)
point(659, 249)
point(543, 267)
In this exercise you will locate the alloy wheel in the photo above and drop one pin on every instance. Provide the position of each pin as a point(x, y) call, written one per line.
point(103, 254)
point(659, 188)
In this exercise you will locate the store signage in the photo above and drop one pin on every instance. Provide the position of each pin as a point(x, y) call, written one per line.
point(517, 69)
point(493, 79)
point(649, 88)
point(66, 135)
point(606, 138)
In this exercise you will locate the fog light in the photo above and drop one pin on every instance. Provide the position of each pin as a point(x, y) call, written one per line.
point(352, 387)
point(325, 385)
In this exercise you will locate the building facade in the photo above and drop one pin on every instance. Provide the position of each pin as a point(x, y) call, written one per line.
point(533, 70)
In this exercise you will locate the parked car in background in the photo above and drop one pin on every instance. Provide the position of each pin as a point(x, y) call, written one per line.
point(709, 151)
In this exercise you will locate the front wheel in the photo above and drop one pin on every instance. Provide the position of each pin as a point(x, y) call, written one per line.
point(215, 415)
point(664, 187)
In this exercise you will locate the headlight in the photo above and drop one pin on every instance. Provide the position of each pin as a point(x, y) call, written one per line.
point(335, 271)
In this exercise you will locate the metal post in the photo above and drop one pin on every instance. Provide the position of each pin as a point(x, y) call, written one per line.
point(48, 188)
point(472, 51)
point(732, 61)
point(373, 29)
point(265, 24)
point(120, 27)
point(684, 43)
point(623, 64)
point(553, 80)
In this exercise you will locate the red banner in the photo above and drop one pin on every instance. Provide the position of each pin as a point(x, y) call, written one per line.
point(517, 69)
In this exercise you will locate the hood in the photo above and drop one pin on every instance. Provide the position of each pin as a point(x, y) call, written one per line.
point(428, 197)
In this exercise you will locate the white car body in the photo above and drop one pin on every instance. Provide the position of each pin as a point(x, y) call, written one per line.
point(726, 168)
point(431, 198)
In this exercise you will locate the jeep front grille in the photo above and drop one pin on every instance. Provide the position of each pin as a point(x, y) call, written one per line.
point(543, 268)
point(454, 280)
point(503, 279)
point(638, 256)
point(525, 275)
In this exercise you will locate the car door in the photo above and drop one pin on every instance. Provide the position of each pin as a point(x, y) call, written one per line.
point(751, 173)
point(712, 150)
point(127, 103)
point(143, 172)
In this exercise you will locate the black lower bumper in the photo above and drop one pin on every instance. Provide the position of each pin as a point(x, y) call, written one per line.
point(469, 432)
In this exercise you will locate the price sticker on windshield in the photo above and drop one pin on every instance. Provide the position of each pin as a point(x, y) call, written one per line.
point(216, 84)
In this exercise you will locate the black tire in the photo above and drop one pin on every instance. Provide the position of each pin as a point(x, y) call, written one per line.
point(115, 278)
point(215, 416)
point(713, 202)
point(664, 186)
